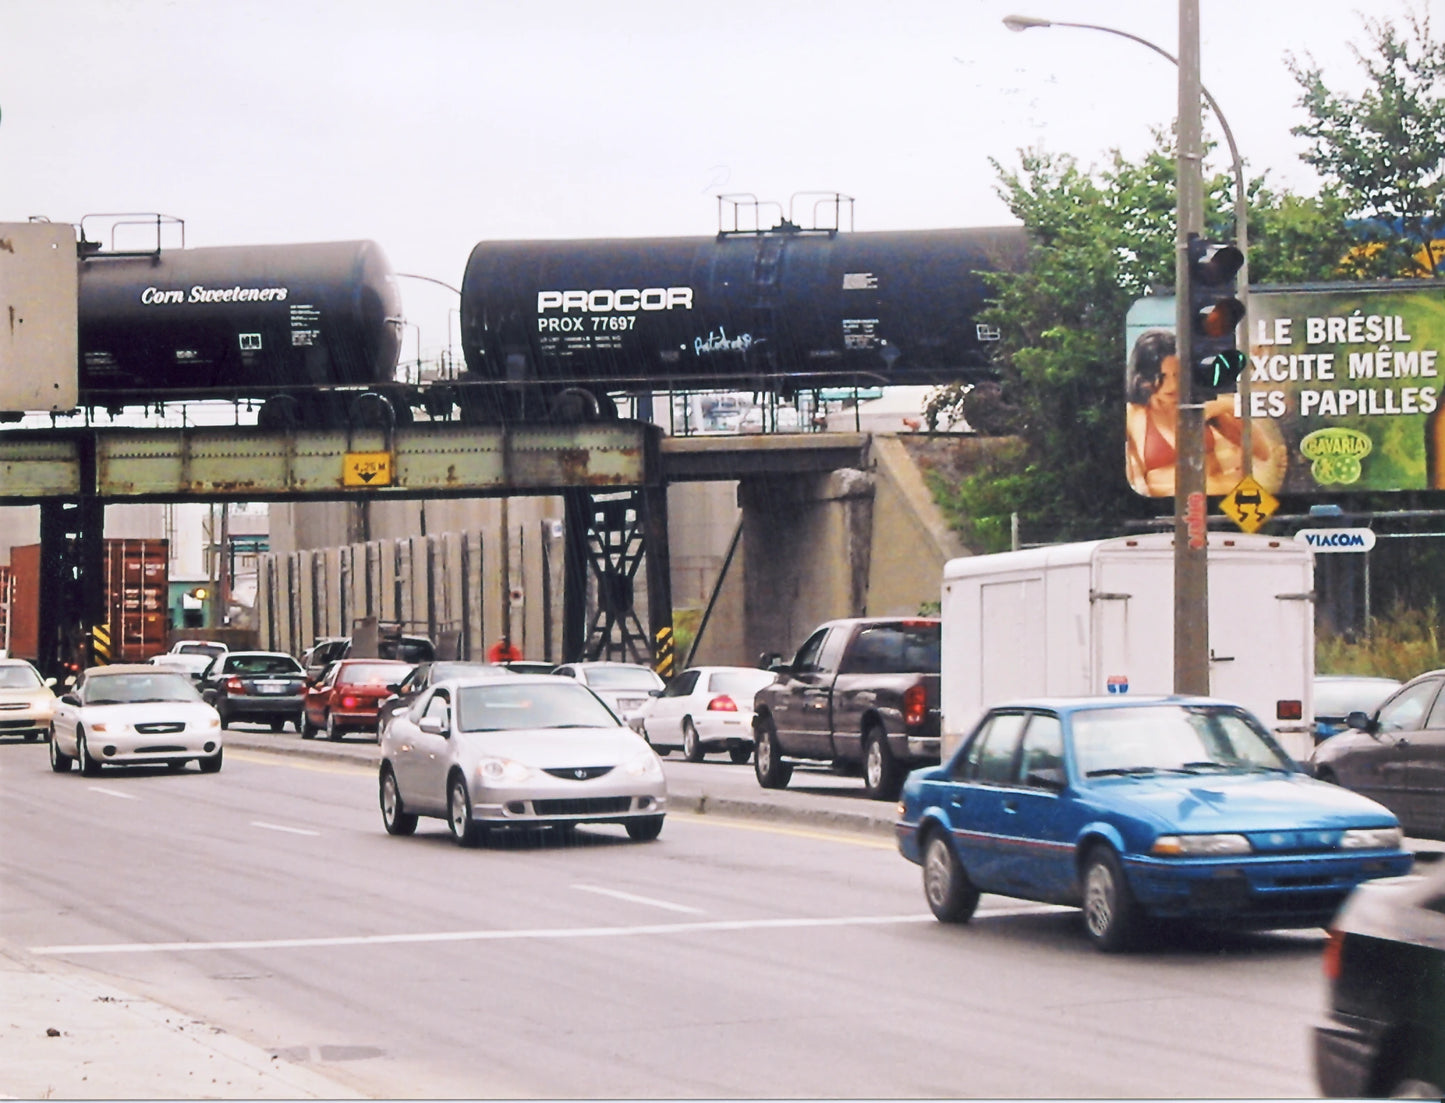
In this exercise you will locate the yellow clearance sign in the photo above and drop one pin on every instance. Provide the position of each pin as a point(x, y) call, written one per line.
point(366, 469)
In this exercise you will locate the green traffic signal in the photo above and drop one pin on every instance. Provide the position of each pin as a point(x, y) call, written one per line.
point(1216, 360)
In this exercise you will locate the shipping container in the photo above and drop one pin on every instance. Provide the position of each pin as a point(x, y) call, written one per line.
point(135, 574)
point(5, 610)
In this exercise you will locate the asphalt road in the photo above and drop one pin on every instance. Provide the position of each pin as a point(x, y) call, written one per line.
point(731, 958)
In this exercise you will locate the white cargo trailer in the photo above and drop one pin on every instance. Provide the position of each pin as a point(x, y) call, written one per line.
point(1098, 617)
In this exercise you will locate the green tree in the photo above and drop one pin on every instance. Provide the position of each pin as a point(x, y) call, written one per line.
point(1384, 150)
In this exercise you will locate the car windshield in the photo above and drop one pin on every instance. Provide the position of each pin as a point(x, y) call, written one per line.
point(1171, 739)
point(371, 674)
point(19, 677)
point(739, 683)
point(262, 664)
point(622, 677)
point(514, 706)
point(127, 689)
point(1344, 697)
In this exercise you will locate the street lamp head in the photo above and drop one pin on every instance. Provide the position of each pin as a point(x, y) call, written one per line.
point(1024, 22)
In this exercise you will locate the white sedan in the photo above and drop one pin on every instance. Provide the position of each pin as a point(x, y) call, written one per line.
point(132, 714)
point(705, 708)
point(26, 702)
point(517, 751)
point(625, 687)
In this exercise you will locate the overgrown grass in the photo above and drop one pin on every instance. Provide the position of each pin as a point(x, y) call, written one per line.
point(1402, 643)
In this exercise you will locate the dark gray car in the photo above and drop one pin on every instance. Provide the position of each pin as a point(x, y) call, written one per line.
point(260, 687)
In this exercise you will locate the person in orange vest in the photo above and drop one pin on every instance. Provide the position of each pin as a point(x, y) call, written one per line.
point(504, 651)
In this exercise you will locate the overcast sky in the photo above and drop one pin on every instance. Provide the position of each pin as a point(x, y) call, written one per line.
point(429, 125)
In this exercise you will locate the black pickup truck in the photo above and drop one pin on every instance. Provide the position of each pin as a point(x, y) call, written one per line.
point(862, 693)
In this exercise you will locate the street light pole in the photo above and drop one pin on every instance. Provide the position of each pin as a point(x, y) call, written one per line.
point(1191, 568)
point(1022, 23)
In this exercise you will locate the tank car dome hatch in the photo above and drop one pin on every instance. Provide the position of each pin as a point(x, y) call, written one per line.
point(770, 310)
point(237, 320)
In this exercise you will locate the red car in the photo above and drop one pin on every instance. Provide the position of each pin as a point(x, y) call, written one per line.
point(348, 696)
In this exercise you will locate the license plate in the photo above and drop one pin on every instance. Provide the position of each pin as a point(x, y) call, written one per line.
point(271, 687)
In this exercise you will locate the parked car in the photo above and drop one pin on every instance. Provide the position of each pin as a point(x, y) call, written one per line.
point(1384, 1034)
point(422, 677)
point(1338, 695)
point(26, 702)
point(407, 649)
point(1137, 809)
point(704, 709)
point(625, 687)
point(260, 687)
point(1396, 756)
point(208, 648)
point(133, 714)
point(349, 695)
point(519, 750)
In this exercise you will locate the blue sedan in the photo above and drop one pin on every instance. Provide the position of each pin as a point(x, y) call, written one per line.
point(1152, 807)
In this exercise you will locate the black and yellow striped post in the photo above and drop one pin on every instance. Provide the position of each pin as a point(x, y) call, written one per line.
point(100, 644)
point(664, 659)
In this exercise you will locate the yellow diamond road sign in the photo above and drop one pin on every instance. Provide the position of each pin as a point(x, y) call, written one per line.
point(1249, 505)
point(366, 469)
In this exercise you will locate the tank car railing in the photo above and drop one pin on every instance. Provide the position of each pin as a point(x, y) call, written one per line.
point(90, 248)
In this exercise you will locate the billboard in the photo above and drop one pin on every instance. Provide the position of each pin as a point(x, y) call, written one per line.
point(1345, 393)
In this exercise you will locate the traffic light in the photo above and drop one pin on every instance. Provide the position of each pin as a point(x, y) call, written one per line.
point(1217, 361)
point(200, 593)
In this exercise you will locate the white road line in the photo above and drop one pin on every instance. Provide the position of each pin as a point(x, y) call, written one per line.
point(288, 830)
point(729, 925)
point(639, 899)
point(112, 792)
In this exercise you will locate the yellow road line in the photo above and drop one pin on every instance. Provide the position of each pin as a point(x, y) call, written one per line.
point(261, 758)
point(741, 824)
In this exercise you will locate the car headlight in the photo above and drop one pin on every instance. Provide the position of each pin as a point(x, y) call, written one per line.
point(502, 771)
point(1199, 846)
point(646, 764)
point(1372, 838)
point(214, 720)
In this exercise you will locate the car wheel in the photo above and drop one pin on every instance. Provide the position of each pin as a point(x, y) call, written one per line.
point(59, 760)
point(88, 765)
point(768, 764)
point(645, 829)
point(1111, 917)
point(397, 819)
point(950, 894)
point(277, 724)
point(211, 764)
point(459, 813)
point(691, 745)
point(740, 753)
point(882, 776)
point(308, 729)
point(332, 731)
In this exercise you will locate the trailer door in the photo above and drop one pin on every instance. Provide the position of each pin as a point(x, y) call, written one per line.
point(1132, 606)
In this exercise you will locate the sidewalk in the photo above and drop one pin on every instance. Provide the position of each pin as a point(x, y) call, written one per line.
point(66, 1035)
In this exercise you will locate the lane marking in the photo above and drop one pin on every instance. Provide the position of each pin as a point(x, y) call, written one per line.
point(639, 899)
point(112, 792)
point(727, 925)
point(288, 830)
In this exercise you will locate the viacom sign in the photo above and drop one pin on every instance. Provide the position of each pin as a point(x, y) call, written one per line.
point(1336, 540)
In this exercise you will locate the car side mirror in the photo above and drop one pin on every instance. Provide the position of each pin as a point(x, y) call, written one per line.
point(1048, 777)
point(394, 688)
point(655, 692)
point(70, 699)
point(1360, 721)
point(432, 725)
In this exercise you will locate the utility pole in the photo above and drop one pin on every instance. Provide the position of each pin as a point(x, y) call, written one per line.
point(1191, 529)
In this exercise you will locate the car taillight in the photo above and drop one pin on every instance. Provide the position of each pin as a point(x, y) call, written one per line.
point(235, 685)
point(722, 703)
point(1333, 950)
point(350, 701)
point(1289, 710)
point(915, 704)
